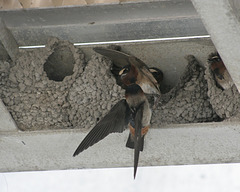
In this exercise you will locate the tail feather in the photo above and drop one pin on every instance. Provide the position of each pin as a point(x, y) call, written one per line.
point(130, 142)
point(136, 158)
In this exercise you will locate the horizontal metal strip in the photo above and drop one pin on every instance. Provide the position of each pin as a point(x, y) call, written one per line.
point(125, 41)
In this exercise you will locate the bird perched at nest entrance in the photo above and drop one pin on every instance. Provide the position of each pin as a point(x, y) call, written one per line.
point(220, 72)
point(128, 69)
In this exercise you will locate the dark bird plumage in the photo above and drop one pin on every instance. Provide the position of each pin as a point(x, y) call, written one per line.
point(133, 111)
point(138, 137)
point(115, 121)
point(157, 74)
point(136, 70)
point(220, 72)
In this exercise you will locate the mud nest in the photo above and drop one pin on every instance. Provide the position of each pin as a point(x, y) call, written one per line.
point(55, 87)
point(188, 101)
point(35, 101)
point(225, 102)
point(93, 94)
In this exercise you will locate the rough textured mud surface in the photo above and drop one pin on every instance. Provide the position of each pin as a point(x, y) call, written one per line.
point(34, 101)
point(226, 103)
point(187, 102)
point(38, 96)
point(93, 94)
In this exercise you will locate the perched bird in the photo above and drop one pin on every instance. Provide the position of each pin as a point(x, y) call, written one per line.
point(133, 111)
point(129, 69)
point(221, 75)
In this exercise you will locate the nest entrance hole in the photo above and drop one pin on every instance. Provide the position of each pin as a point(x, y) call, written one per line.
point(59, 64)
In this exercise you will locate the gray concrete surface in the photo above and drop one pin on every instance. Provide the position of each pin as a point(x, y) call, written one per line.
point(97, 23)
point(8, 40)
point(6, 121)
point(235, 4)
point(168, 145)
point(224, 27)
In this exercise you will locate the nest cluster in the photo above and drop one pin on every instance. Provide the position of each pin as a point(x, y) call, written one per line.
point(37, 101)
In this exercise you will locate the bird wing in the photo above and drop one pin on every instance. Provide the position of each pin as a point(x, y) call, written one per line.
point(149, 76)
point(138, 137)
point(115, 121)
point(144, 72)
point(119, 59)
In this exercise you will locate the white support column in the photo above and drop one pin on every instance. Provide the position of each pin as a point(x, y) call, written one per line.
point(224, 28)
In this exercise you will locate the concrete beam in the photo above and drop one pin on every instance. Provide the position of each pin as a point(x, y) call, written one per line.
point(8, 41)
point(6, 121)
point(224, 27)
point(170, 145)
point(108, 22)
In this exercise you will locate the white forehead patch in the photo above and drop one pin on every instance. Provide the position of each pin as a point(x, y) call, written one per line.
point(121, 72)
point(152, 70)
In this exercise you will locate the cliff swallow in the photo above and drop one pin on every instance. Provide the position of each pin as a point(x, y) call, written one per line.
point(133, 111)
point(130, 69)
point(221, 75)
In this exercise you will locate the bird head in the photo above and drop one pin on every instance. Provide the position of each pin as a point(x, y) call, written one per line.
point(128, 75)
point(217, 66)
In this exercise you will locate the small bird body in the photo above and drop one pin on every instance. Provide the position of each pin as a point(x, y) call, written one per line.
point(135, 102)
point(133, 112)
point(220, 72)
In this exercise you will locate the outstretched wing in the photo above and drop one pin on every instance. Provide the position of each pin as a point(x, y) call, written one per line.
point(119, 59)
point(115, 121)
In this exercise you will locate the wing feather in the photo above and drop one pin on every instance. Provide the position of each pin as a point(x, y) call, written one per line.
point(144, 70)
point(119, 59)
point(115, 121)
